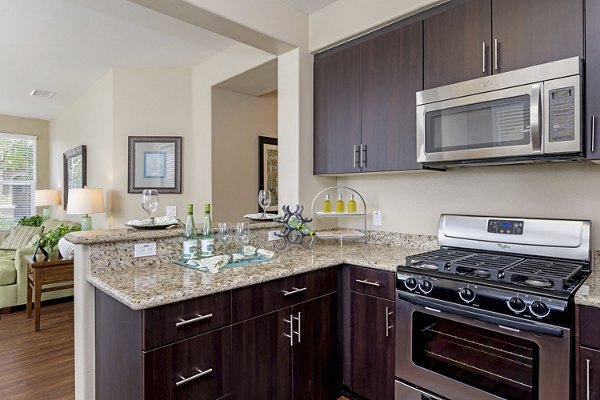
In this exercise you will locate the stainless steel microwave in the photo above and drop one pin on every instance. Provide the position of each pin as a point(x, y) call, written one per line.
point(523, 115)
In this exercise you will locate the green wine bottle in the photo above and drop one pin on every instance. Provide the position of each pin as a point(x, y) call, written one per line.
point(190, 239)
point(207, 240)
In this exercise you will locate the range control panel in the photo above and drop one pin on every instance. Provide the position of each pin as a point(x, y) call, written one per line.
point(505, 227)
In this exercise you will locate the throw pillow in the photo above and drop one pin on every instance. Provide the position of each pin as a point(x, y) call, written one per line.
point(19, 237)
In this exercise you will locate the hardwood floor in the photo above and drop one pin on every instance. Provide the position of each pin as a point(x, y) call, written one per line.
point(37, 365)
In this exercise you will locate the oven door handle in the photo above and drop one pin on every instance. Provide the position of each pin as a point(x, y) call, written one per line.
point(479, 316)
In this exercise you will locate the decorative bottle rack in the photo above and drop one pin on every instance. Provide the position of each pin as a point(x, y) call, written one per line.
point(344, 233)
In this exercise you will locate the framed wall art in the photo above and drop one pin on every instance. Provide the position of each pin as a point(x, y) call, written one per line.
point(154, 163)
point(268, 177)
point(74, 171)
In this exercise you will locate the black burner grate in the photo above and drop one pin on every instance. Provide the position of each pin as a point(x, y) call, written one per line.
point(438, 258)
point(535, 271)
point(481, 265)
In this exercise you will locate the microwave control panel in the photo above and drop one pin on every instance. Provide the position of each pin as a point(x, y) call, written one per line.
point(562, 114)
point(505, 227)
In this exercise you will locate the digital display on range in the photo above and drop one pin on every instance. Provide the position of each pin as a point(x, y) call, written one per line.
point(505, 227)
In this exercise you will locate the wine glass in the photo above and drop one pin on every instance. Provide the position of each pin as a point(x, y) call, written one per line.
point(264, 200)
point(225, 235)
point(243, 235)
point(150, 202)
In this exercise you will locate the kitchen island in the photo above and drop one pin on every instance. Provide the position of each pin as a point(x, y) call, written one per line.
point(104, 260)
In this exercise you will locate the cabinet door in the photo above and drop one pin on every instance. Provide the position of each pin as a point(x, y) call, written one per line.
point(203, 360)
point(457, 44)
point(372, 347)
point(391, 74)
point(592, 79)
point(261, 358)
point(337, 113)
point(589, 365)
point(316, 368)
point(531, 32)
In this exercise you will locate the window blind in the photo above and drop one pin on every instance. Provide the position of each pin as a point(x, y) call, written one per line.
point(17, 178)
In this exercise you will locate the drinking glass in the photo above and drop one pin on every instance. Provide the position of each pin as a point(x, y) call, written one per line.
point(150, 202)
point(264, 200)
point(225, 235)
point(243, 235)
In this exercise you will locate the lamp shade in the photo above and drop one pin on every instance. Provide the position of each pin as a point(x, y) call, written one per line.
point(85, 201)
point(46, 197)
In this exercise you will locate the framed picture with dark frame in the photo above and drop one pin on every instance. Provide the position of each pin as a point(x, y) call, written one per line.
point(154, 162)
point(74, 171)
point(268, 177)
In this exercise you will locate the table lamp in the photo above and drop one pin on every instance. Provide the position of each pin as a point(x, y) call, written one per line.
point(45, 198)
point(85, 201)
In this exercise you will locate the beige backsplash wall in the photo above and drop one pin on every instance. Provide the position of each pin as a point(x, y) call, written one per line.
point(413, 202)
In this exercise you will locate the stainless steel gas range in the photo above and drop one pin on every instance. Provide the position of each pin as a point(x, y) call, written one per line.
point(490, 314)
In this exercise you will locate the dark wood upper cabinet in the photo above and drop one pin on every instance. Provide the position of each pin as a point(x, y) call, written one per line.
point(391, 74)
point(337, 115)
point(531, 32)
point(592, 79)
point(457, 44)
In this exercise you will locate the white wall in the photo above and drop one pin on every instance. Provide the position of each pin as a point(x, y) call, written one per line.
point(238, 121)
point(89, 121)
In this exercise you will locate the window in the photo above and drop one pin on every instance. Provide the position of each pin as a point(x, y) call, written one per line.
point(17, 178)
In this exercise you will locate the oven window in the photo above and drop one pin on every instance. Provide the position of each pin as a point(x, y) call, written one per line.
point(491, 124)
point(499, 364)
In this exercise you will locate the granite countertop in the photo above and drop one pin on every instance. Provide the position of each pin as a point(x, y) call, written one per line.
point(141, 287)
point(589, 293)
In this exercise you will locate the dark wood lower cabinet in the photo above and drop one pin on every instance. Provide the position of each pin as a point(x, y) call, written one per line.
point(589, 366)
point(203, 360)
point(372, 347)
point(261, 358)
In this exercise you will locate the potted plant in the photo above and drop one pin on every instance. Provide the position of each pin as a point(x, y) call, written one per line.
point(50, 240)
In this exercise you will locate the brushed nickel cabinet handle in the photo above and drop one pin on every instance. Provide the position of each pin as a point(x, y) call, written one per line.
point(291, 334)
point(299, 319)
point(483, 66)
point(294, 291)
point(593, 133)
point(193, 377)
point(587, 378)
point(183, 322)
point(496, 62)
point(363, 158)
point(388, 313)
point(367, 282)
point(356, 157)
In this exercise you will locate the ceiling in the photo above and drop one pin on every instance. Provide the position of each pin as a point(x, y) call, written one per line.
point(65, 46)
point(255, 82)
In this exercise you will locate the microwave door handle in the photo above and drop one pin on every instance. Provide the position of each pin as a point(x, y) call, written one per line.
point(535, 117)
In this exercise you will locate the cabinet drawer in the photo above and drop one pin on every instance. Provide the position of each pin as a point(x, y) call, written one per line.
point(172, 322)
point(203, 360)
point(265, 297)
point(589, 326)
point(372, 281)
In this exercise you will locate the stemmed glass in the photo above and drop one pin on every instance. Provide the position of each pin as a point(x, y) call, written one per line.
point(243, 235)
point(264, 200)
point(150, 202)
point(225, 235)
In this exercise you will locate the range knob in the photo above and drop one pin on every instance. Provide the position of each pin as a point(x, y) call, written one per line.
point(425, 286)
point(516, 305)
point(466, 294)
point(411, 284)
point(539, 309)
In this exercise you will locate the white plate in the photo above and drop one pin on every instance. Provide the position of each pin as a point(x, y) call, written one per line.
point(260, 217)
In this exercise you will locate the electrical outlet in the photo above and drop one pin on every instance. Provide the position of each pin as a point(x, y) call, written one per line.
point(171, 211)
point(272, 236)
point(144, 249)
point(376, 218)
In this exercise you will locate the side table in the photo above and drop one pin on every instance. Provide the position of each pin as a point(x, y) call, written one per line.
point(43, 272)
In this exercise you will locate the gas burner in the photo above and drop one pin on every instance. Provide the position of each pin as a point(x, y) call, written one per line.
point(429, 267)
point(539, 283)
point(482, 273)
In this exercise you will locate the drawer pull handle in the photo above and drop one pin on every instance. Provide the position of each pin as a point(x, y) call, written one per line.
point(291, 334)
point(294, 291)
point(388, 314)
point(367, 282)
point(587, 378)
point(183, 322)
point(193, 377)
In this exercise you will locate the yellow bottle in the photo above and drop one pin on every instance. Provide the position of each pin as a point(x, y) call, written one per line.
point(339, 204)
point(351, 204)
point(327, 204)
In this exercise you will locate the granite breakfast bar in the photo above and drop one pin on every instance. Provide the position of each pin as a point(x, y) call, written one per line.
point(104, 260)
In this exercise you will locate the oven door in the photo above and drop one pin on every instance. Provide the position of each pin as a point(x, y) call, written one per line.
point(501, 123)
point(453, 356)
